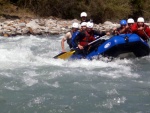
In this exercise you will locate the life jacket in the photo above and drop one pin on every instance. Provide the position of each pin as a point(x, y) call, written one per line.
point(87, 39)
point(74, 45)
point(144, 34)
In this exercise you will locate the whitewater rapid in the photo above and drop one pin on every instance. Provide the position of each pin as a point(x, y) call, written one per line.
point(31, 81)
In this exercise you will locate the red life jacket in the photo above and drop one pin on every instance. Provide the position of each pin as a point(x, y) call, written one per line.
point(144, 34)
point(87, 39)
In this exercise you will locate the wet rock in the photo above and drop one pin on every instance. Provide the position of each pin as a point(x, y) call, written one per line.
point(44, 26)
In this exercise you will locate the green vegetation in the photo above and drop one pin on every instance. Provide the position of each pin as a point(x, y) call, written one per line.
point(98, 10)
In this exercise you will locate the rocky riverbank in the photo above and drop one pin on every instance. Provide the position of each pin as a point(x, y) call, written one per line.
point(48, 26)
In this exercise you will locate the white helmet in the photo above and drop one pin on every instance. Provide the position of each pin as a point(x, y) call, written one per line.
point(75, 25)
point(83, 24)
point(89, 25)
point(130, 21)
point(140, 19)
point(83, 14)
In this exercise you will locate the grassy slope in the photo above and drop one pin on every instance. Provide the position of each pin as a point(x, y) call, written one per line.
point(10, 11)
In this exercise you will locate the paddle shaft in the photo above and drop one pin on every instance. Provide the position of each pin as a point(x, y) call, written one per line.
point(97, 39)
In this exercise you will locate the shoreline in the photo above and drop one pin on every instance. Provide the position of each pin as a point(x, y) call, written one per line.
point(49, 26)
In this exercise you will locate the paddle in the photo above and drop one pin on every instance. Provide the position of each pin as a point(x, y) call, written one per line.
point(66, 55)
point(59, 54)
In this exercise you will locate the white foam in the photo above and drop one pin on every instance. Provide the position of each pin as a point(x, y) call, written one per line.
point(110, 103)
point(32, 51)
point(29, 81)
point(115, 69)
point(11, 87)
point(36, 100)
point(112, 92)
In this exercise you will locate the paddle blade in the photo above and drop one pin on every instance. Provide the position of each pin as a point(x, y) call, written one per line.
point(65, 55)
point(59, 54)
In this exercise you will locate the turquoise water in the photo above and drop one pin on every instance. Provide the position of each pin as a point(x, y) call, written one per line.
point(31, 81)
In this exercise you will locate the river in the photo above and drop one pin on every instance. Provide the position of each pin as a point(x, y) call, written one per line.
point(31, 81)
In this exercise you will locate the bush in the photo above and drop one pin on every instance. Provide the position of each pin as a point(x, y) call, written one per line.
point(98, 10)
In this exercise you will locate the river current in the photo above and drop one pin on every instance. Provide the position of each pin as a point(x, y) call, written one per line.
point(31, 81)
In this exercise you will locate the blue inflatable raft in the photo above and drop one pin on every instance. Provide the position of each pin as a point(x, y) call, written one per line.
point(115, 46)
